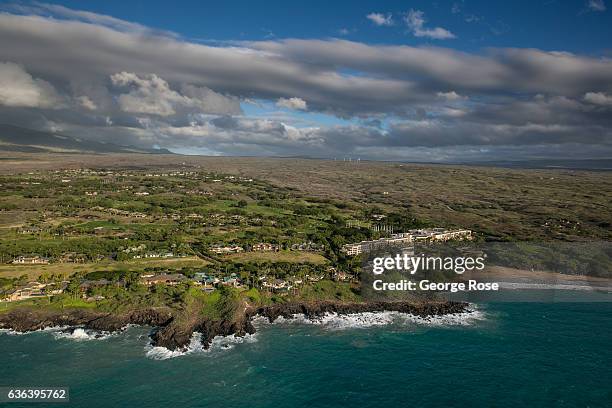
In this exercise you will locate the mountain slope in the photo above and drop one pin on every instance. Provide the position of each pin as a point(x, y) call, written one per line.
point(14, 138)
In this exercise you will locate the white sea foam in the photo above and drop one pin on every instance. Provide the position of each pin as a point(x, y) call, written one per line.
point(229, 342)
point(218, 343)
point(336, 321)
point(80, 334)
point(12, 332)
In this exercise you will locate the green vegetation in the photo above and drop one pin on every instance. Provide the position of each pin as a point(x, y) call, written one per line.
point(326, 290)
point(92, 236)
point(576, 258)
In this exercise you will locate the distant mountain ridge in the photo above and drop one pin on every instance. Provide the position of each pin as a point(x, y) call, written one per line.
point(18, 139)
point(566, 164)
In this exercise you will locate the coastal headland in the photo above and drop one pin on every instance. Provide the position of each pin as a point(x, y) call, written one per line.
point(174, 333)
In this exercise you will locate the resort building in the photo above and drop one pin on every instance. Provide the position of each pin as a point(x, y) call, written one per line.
point(232, 280)
point(158, 255)
point(308, 246)
point(29, 230)
point(90, 284)
point(369, 246)
point(265, 247)
point(167, 279)
point(417, 235)
point(276, 285)
point(452, 235)
point(340, 276)
point(33, 290)
point(31, 260)
point(206, 281)
point(226, 249)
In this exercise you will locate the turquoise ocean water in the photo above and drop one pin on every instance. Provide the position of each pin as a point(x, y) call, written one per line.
point(513, 354)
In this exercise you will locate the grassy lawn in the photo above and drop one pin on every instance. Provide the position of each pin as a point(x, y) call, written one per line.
point(15, 218)
point(45, 303)
point(281, 256)
point(34, 271)
point(263, 210)
point(326, 290)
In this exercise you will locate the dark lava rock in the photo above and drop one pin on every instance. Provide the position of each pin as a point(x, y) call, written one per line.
point(176, 334)
point(28, 319)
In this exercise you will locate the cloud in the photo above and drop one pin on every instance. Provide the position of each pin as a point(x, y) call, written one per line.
point(346, 31)
point(381, 19)
point(58, 11)
point(150, 94)
point(415, 20)
point(450, 96)
point(495, 70)
point(208, 101)
point(387, 77)
point(439, 133)
point(598, 98)
point(596, 5)
point(292, 103)
point(241, 135)
point(472, 18)
point(86, 102)
point(131, 85)
point(19, 89)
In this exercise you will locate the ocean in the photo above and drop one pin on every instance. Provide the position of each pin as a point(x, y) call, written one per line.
point(507, 354)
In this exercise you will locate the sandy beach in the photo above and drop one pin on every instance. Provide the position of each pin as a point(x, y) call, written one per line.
point(504, 274)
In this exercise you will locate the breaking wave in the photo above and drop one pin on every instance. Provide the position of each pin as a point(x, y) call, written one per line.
point(12, 332)
point(219, 343)
point(79, 334)
point(373, 319)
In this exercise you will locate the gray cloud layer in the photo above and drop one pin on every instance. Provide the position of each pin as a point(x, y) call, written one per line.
point(100, 77)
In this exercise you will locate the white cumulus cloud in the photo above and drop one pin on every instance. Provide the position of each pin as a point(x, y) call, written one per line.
point(450, 96)
point(86, 102)
point(598, 98)
point(292, 103)
point(19, 89)
point(151, 94)
point(415, 20)
point(380, 19)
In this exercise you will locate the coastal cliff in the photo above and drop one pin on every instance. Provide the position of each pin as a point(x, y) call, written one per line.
point(30, 319)
point(319, 309)
point(174, 333)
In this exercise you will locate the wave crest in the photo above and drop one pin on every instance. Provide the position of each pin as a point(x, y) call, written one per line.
point(373, 319)
point(218, 343)
point(80, 334)
point(12, 332)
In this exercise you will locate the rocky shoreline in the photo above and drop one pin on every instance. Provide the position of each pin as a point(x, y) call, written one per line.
point(175, 334)
point(25, 320)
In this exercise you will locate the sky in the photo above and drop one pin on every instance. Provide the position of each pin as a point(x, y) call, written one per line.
point(455, 81)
